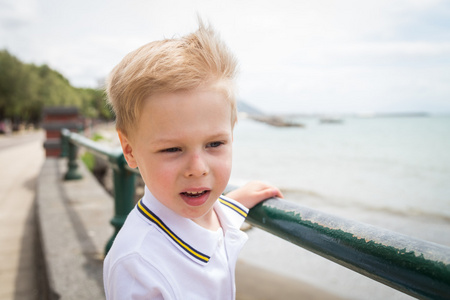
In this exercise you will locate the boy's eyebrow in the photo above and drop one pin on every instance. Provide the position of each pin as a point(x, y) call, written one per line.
point(168, 140)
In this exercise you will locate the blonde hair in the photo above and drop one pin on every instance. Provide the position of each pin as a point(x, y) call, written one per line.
point(171, 65)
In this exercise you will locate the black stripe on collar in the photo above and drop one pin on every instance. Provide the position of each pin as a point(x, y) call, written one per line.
point(147, 213)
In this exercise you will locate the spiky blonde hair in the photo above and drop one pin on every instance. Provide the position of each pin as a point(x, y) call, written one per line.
point(171, 65)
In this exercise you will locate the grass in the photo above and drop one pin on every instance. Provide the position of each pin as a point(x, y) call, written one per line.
point(88, 158)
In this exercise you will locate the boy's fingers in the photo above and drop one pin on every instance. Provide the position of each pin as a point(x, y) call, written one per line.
point(280, 194)
point(270, 192)
point(277, 193)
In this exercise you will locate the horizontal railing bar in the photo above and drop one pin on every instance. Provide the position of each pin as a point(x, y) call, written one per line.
point(413, 266)
point(96, 148)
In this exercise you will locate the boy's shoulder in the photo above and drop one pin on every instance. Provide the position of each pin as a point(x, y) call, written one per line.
point(133, 236)
point(136, 255)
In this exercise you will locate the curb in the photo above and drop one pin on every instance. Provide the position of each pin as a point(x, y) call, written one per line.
point(73, 221)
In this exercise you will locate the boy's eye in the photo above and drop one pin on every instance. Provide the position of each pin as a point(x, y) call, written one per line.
point(171, 150)
point(215, 144)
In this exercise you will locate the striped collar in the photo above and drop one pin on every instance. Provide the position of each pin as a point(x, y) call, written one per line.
point(194, 241)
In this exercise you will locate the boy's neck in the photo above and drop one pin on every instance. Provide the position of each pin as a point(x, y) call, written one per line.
point(209, 221)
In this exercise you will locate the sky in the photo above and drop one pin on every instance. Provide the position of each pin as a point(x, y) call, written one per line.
point(295, 56)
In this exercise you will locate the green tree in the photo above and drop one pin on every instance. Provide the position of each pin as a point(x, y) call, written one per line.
point(26, 88)
point(12, 78)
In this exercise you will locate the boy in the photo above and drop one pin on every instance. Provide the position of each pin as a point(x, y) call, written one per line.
point(175, 113)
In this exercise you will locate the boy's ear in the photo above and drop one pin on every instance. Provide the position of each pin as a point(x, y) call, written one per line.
point(127, 149)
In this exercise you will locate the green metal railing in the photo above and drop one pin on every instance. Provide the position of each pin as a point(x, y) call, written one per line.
point(415, 267)
point(123, 176)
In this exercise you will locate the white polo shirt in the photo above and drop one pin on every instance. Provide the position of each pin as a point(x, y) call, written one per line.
point(160, 255)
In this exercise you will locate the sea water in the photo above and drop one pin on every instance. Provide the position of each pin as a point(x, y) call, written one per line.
point(394, 164)
point(393, 173)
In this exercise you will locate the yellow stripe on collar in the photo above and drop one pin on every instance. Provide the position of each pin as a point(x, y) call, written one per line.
point(233, 206)
point(153, 218)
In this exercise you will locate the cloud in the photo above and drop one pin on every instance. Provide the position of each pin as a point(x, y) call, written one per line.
point(16, 14)
point(303, 55)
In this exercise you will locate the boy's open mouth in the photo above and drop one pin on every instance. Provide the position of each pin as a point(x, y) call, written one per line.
point(194, 194)
point(195, 198)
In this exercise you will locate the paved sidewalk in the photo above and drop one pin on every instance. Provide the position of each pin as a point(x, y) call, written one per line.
point(21, 158)
point(74, 220)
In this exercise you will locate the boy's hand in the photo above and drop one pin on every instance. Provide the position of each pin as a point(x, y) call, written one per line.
point(254, 192)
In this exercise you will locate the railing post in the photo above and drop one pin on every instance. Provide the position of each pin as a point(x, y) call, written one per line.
point(64, 142)
point(72, 164)
point(124, 191)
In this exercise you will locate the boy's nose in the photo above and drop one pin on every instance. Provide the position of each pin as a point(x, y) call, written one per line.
point(197, 166)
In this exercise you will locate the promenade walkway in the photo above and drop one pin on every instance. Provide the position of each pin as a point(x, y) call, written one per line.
point(21, 158)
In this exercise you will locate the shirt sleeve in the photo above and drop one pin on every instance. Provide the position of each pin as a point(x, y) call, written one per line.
point(132, 277)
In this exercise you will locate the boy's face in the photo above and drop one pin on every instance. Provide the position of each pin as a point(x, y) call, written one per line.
point(182, 147)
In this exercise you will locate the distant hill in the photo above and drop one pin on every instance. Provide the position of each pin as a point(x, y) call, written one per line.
point(257, 115)
point(247, 108)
